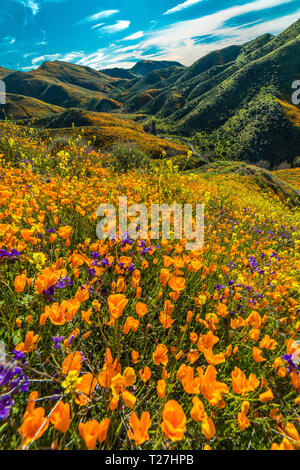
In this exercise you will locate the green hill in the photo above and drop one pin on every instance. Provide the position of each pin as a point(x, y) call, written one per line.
point(65, 85)
point(20, 107)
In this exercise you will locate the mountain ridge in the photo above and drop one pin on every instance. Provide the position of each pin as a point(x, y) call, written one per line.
point(206, 102)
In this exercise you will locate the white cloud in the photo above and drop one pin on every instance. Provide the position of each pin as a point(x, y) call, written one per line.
point(98, 16)
point(34, 5)
point(180, 44)
point(119, 65)
point(181, 41)
point(97, 25)
point(68, 57)
point(31, 4)
point(178, 41)
point(115, 28)
point(132, 37)
point(94, 60)
point(31, 67)
point(9, 40)
point(182, 6)
point(209, 24)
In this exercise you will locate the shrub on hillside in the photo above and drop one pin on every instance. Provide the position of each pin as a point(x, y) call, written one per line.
point(128, 157)
point(283, 166)
point(296, 163)
point(264, 164)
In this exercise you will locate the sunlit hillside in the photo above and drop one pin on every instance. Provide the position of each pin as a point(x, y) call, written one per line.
point(130, 344)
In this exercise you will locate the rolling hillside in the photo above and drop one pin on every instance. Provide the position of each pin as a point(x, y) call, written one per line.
point(4, 72)
point(20, 107)
point(105, 130)
point(232, 103)
point(65, 85)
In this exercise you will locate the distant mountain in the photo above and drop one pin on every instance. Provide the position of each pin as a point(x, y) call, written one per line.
point(140, 69)
point(233, 103)
point(229, 100)
point(66, 85)
point(144, 67)
point(72, 74)
point(119, 73)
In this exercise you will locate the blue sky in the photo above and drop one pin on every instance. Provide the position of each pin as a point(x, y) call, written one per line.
point(110, 33)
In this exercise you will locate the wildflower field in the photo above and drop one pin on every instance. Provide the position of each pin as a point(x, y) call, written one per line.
point(124, 344)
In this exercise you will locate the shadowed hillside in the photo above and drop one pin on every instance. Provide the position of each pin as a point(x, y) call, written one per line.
point(20, 107)
point(119, 73)
point(144, 67)
point(105, 130)
point(64, 85)
point(4, 72)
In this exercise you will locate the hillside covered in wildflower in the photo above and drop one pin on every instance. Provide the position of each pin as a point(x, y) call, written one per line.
point(141, 344)
point(234, 103)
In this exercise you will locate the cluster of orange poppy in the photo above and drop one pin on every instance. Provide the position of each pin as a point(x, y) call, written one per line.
point(192, 340)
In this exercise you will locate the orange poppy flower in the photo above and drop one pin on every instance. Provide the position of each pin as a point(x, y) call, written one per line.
point(64, 232)
point(213, 359)
point(85, 315)
point(72, 363)
point(240, 384)
point(257, 355)
point(139, 432)
point(145, 374)
point(166, 320)
point(60, 417)
point(222, 310)
point(207, 341)
point(160, 355)
point(29, 343)
point(20, 283)
point(190, 383)
point(116, 305)
point(134, 356)
point(103, 428)
point(174, 421)
point(89, 432)
point(129, 376)
point(55, 314)
point(242, 421)
point(31, 401)
point(177, 284)
point(165, 275)
point(128, 398)
point(33, 426)
point(245, 407)
point(208, 427)
point(210, 387)
point(266, 396)
point(198, 410)
point(268, 343)
point(284, 445)
point(161, 388)
point(141, 309)
point(130, 324)
point(85, 388)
